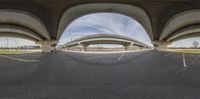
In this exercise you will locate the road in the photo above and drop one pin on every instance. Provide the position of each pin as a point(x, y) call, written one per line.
point(132, 75)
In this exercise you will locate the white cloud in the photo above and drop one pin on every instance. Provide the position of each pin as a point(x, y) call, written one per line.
point(105, 23)
point(110, 23)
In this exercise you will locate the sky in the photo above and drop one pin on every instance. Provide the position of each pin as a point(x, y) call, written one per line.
point(111, 23)
point(105, 23)
point(186, 42)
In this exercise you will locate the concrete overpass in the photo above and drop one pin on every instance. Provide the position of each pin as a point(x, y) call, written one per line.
point(45, 20)
point(85, 41)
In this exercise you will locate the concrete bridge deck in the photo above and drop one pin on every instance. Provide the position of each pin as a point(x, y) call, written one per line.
point(85, 41)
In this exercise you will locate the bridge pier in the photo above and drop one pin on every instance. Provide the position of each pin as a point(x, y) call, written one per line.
point(161, 45)
point(66, 48)
point(47, 46)
point(84, 47)
point(127, 46)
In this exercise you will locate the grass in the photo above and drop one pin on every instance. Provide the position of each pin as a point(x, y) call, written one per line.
point(190, 51)
point(7, 52)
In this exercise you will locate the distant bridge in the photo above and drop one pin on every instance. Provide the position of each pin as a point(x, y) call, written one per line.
point(84, 42)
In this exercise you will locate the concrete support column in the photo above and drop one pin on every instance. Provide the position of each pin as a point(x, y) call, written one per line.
point(84, 47)
point(66, 48)
point(127, 46)
point(47, 46)
point(161, 45)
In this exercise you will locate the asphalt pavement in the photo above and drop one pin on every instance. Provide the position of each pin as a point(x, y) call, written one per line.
point(129, 75)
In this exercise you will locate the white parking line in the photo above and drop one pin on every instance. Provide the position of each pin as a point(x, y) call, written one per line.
point(18, 59)
point(121, 56)
point(194, 60)
point(184, 62)
point(187, 65)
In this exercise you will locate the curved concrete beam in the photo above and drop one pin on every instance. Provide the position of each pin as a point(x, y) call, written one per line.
point(7, 29)
point(105, 39)
point(15, 35)
point(179, 21)
point(188, 31)
point(134, 12)
point(25, 19)
point(94, 40)
point(193, 35)
point(108, 37)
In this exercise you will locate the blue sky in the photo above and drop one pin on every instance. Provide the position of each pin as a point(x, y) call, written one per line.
point(111, 23)
point(105, 23)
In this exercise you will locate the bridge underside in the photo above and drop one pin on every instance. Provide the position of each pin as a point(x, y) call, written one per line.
point(45, 20)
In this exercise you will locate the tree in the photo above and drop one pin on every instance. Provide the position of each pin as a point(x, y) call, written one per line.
point(195, 44)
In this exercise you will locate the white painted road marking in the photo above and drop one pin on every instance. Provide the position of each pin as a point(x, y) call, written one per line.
point(194, 60)
point(121, 56)
point(184, 62)
point(18, 59)
point(185, 65)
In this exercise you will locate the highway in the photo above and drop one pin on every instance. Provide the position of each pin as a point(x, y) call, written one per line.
point(130, 75)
